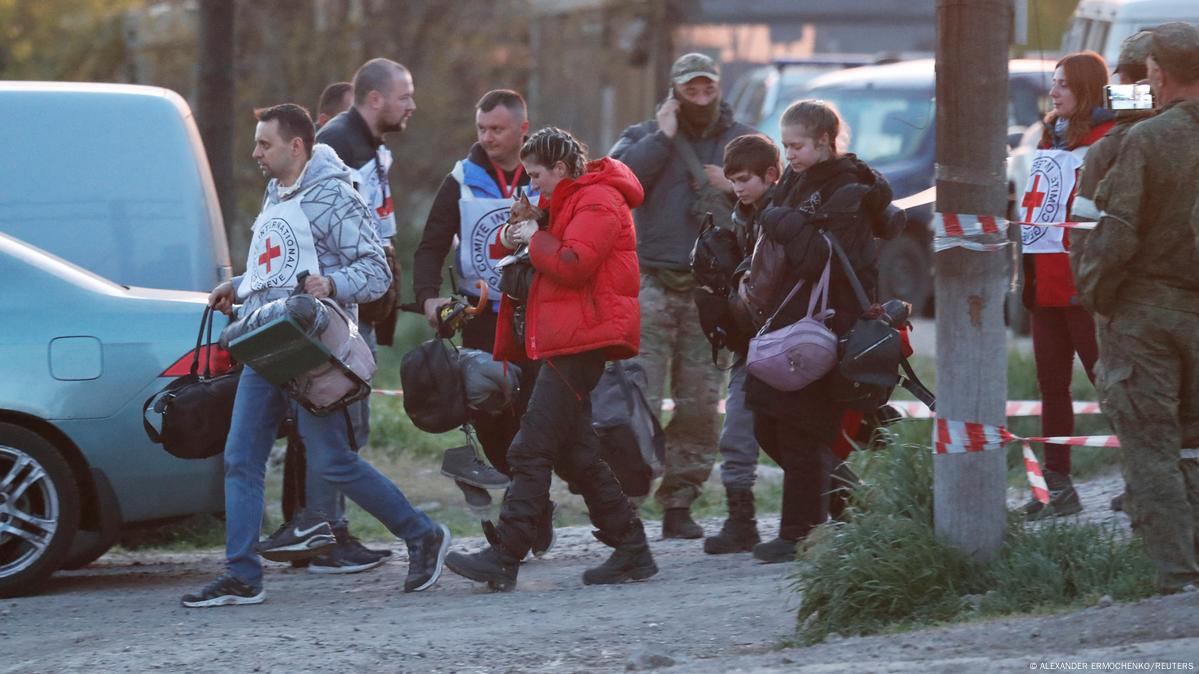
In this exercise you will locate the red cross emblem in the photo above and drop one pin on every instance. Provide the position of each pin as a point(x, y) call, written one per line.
point(1032, 198)
point(496, 250)
point(271, 253)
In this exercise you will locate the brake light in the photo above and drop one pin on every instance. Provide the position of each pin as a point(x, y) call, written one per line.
point(222, 362)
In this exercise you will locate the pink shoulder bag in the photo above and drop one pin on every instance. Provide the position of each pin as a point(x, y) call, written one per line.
point(790, 358)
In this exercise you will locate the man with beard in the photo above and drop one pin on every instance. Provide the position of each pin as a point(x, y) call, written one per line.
point(677, 158)
point(383, 102)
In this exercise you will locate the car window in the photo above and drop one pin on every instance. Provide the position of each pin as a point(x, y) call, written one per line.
point(108, 183)
point(1097, 37)
point(885, 125)
point(1076, 35)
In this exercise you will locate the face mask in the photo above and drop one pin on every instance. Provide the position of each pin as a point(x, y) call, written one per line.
point(696, 118)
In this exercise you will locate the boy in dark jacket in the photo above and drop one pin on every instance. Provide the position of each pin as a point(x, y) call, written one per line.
point(751, 163)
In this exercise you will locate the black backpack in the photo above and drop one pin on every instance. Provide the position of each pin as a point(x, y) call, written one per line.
point(434, 389)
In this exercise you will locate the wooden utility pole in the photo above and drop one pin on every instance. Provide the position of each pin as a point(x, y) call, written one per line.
point(969, 505)
point(214, 99)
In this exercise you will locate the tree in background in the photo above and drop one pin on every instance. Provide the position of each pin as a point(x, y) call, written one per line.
point(215, 96)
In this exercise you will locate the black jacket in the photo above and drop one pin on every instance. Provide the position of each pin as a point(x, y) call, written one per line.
point(795, 221)
point(350, 137)
point(442, 225)
point(666, 224)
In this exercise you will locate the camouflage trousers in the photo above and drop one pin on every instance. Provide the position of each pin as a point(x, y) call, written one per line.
point(1148, 382)
point(674, 346)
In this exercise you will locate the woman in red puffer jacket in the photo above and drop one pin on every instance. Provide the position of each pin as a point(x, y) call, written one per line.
point(1061, 326)
point(580, 310)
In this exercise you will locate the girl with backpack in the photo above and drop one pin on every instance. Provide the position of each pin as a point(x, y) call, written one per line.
point(580, 310)
point(796, 428)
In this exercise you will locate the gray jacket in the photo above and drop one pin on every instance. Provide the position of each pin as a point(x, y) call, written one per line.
point(666, 226)
point(347, 247)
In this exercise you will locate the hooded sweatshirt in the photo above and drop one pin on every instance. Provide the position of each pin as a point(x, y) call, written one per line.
point(348, 249)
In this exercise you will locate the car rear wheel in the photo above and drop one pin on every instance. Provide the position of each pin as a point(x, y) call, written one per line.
point(904, 273)
point(39, 510)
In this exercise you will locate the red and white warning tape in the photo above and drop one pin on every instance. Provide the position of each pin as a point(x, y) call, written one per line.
point(912, 409)
point(959, 437)
point(953, 230)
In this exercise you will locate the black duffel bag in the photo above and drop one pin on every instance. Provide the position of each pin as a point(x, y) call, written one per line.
point(434, 388)
point(191, 416)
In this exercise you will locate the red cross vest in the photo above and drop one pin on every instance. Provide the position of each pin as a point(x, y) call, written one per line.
point(1046, 198)
point(281, 247)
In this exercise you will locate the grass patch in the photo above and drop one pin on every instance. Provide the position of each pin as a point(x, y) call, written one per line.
point(884, 568)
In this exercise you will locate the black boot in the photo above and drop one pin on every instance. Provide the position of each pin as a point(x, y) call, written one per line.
point(776, 551)
point(494, 565)
point(631, 560)
point(677, 523)
point(740, 530)
point(544, 538)
point(1063, 500)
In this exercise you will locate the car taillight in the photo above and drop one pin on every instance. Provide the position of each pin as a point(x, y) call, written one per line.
point(222, 362)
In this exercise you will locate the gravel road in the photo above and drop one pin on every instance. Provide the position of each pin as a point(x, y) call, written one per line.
point(700, 614)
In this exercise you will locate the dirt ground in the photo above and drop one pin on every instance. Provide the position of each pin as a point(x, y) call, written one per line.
point(700, 614)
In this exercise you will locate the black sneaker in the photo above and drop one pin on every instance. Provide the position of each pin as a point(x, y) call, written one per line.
point(306, 535)
point(224, 591)
point(463, 464)
point(425, 559)
point(348, 556)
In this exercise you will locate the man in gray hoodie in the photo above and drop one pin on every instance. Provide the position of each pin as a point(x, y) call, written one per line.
point(677, 158)
point(312, 221)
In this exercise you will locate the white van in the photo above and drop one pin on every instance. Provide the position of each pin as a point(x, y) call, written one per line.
point(1101, 25)
point(113, 178)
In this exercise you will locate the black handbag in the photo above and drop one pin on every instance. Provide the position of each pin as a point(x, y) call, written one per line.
point(870, 355)
point(632, 441)
point(194, 412)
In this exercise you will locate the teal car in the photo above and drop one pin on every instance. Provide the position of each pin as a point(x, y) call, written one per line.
point(80, 356)
point(110, 239)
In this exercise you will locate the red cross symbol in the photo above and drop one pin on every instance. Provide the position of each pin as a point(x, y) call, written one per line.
point(1032, 198)
point(496, 250)
point(270, 254)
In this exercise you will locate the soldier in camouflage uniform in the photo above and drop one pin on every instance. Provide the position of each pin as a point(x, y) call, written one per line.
point(677, 158)
point(1140, 274)
point(1130, 69)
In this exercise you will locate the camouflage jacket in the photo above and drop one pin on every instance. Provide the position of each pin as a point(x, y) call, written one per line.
point(1145, 248)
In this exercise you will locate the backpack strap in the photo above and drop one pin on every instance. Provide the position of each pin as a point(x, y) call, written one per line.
point(820, 291)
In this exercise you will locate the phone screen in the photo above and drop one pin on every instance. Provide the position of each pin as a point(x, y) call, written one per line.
point(1128, 97)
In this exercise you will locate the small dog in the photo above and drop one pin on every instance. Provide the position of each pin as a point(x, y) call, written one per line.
point(522, 209)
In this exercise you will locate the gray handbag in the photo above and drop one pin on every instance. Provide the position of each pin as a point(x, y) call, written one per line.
point(792, 357)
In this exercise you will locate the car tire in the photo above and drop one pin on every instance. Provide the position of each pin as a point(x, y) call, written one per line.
point(904, 273)
point(40, 500)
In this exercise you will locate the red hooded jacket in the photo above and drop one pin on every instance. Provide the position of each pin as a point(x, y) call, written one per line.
point(584, 294)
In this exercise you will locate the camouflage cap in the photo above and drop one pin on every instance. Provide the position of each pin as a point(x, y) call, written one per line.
point(1175, 47)
point(1134, 49)
point(693, 65)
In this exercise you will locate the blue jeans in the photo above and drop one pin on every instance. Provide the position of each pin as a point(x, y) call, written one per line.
point(319, 494)
point(738, 445)
point(257, 411)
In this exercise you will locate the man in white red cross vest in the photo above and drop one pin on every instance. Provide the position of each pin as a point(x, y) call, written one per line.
point(312, 221)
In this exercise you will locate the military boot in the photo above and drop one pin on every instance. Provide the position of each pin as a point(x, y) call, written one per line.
point(1063, 499)
point(677, 523)
point(740, 530)
point(631, 560)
